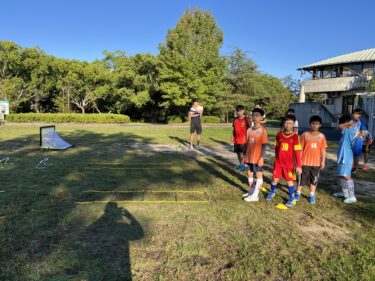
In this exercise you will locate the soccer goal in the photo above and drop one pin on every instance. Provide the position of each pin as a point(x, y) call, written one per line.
point(50, 139)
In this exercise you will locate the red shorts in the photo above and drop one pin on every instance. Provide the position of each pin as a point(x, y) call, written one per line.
point(283, 173)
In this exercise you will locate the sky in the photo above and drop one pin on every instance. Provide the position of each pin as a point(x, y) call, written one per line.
point(280, 35)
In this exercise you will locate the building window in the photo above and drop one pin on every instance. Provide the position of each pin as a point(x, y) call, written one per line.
point(357, 69)
point(347, 71)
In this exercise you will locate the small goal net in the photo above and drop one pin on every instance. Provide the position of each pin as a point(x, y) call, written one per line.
point(50, 139)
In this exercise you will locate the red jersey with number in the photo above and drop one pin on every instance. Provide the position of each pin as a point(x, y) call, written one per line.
point(286, 148)
point(240, 127)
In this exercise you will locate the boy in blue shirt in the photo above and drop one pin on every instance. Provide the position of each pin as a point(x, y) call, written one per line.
point(360, 129)
point(345, 159)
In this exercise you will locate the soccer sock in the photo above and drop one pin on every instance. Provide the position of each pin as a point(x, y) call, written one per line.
point(273, 188)
point(291, 192)
point(312, 193)
point(344, 187)
point(350, 185)
point(251, 181)
point(257, 187)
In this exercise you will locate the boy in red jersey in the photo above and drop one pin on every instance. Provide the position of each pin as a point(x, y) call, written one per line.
point(240, 125)
point(314, 146)
point(257, 141)
point(287, 157)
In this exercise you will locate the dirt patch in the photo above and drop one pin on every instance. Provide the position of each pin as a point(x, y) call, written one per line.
point(324, 231)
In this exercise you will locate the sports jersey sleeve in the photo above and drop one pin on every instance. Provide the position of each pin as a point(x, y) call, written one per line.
point(324, 143)
point(363, 126)
point(264, 137)
point(302, 140)
point(296, 143)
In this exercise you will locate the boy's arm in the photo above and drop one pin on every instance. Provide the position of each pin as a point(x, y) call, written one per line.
point(323, 158)
point(345, 125)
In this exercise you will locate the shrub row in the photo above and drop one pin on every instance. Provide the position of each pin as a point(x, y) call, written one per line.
point(67, 118)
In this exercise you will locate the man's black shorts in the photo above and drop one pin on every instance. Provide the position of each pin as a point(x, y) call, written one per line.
point(240, 148)
point(310, 175)
point(195, 127)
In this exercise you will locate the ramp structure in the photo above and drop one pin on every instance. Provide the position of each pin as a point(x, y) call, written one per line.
point(50, 139)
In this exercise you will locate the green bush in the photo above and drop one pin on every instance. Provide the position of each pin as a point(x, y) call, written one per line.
point(210, 119)
point(174, 119)
point(67, 118)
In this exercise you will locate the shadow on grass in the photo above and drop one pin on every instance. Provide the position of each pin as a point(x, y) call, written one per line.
point(45, 234)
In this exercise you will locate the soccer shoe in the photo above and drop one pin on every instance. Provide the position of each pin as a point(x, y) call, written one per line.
point(297, 196)
point(350, 200)
point(338, 195)
point(252, 198)
point(270, 196)
point(246, 194)
point(312, 199)
point(364, 168)
point(237, 167)
point(290, 203)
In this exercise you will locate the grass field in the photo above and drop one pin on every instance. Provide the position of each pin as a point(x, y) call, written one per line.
point(165, 214)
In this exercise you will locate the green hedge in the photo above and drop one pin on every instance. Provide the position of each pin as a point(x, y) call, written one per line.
point(174, 119)
point(210, 119)
point(67, 117)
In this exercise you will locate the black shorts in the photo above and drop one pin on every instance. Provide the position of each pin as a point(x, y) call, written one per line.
point(254, 167)
point(239, 148)
point(310, 175)
point(195, 126)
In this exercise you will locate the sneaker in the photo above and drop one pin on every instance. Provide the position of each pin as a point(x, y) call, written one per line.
point(191, 147)
point(364, 168)
point(297, 196)
point(338, 195)
point(252, 199)
point(270, 196)
point(237, 167)
point(291, 203)
point(350, 200)
point(312, 199)
point(246, 194)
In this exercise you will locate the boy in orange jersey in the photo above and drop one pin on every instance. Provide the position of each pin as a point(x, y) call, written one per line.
point(287, 157)
point(314, 146)
point(255, 152)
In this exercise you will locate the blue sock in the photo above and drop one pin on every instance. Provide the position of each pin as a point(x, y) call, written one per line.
point(273, 188)
point(291, 192)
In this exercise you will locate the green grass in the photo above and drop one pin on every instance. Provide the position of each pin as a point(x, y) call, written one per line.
point(46, 235)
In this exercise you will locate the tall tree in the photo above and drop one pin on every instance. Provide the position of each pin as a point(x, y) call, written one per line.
point(190, 65)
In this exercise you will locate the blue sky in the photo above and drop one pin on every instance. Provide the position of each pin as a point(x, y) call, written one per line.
point(280, 35)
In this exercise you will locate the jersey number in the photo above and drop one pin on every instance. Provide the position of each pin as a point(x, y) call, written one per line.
point(284, 146)
point(314, 145)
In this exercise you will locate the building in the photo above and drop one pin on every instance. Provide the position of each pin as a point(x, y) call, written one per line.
point(341, 84)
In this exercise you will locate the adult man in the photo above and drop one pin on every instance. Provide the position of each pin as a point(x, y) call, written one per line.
point(195, 115)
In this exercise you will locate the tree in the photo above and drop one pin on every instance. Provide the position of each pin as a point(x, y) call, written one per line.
point(189, 64)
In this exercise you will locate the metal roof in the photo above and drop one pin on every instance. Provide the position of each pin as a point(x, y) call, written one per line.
point(359, 56)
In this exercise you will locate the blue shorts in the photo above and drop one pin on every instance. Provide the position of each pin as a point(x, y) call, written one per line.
point(357, 147)
point(344, 170)
point(254, 167)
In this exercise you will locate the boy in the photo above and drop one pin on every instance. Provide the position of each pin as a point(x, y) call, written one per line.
point(195, 115)
point(290, 111)
point(287, 156)
point(360, 129)
point(240, 125)
point(345, 159)
point(257, 141)
point(314, 146)
point(366, 150)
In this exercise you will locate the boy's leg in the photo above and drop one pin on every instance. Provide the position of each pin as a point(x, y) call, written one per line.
point(250, 175)
point(271, 194)
point(350, 184)
point(255, 195)
point(303, 180)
